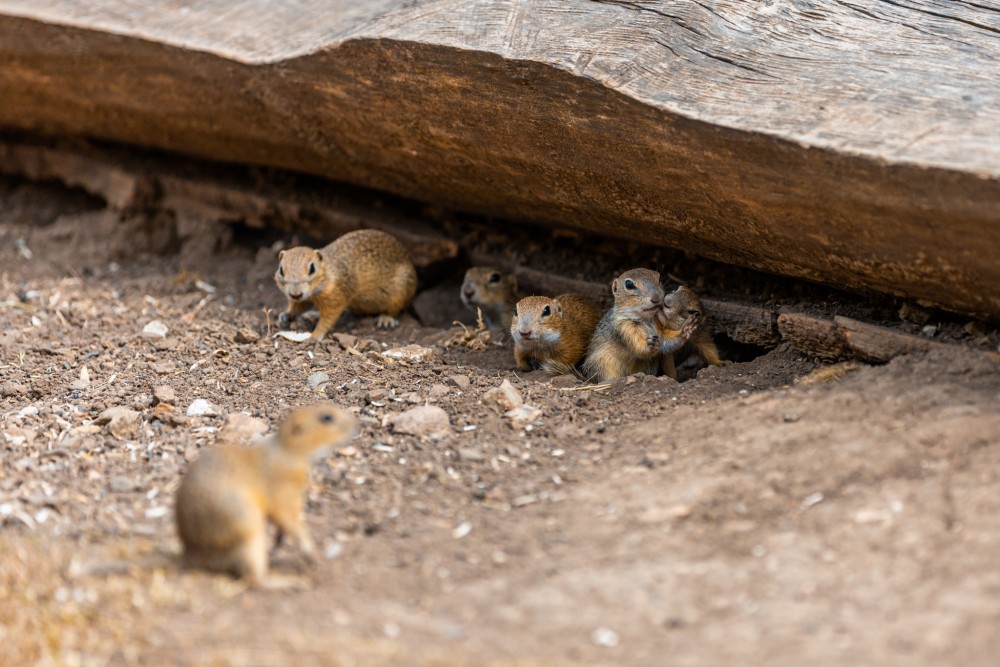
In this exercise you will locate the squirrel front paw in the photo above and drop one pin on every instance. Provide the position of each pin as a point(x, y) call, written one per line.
point(690, 326)
point(284, 320)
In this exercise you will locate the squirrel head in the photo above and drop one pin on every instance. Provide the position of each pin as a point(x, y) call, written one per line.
point(486, 286)
point(678, 307)
point(638, 293)
point(537, 321)
point(313, 430)
point(301, 272)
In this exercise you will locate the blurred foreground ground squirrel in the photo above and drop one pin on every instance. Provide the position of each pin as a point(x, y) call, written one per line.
point(491, 291)
point(553, 334)
point(230, 492)
point(682, 308)
point(366, 271)
point(626, 340)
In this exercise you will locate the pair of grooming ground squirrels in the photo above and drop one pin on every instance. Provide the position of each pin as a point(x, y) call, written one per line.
point(553, 333)
point(644, 328)
point(491, 292)
point(366, 271)
point(230, 492)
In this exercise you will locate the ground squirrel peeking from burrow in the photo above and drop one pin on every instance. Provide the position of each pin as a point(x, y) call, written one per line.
point(230, 492)
point(553, 333)
point(626, 340)
point(682, 308)
point(366, 271)
point(492, 292)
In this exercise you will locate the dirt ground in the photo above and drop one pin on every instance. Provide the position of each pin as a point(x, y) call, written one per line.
point(744, 516)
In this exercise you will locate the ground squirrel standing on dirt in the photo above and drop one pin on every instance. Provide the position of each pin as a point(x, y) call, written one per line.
point(491, 291)
point(366, 271)
point(553, 334)
point(682, 310)
point(626, 340)
point(230, 492)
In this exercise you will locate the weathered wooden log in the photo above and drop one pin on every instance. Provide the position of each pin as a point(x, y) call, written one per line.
point(846, 338)
point(852, 143)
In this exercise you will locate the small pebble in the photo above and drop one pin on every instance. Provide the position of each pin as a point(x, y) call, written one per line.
point(8, 389)
point(461, 381)
point(438, 390)
point(238, 427)
point(246, 336)
point(524, 414)
point(317, 378)
point(201, 407)
point(411, 353)
point(812, 499)
point(165, 394)
point(109, 414)
point(155, 329)
point(345, 340)
point(605, 637)
point(468, 454)
point(332, 549)
point(506, 396)
point(423, 420)
point(122, 484)
point(377, 395)
point(163, 367)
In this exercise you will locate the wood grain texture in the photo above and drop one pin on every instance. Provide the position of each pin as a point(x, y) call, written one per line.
point(851, 142)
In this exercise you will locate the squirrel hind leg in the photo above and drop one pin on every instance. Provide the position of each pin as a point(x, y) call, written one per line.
point(249, 559)
point(668, 367)
point(707, 350)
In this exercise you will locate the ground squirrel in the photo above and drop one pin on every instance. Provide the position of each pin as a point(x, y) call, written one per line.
point(553, 334)
point(682, 310)
point(491, 291)
point(230, 492)
point(626, 340)
point(366, 271)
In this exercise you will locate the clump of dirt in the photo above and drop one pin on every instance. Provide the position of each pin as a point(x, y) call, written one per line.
point(744, 516)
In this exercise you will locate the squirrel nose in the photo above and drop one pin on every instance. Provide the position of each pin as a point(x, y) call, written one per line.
point(295, 295)
point(524, 334)
point(468, 290)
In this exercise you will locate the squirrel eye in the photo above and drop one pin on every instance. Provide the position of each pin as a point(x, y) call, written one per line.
point(326, 418)
point(281, 271)
point(312, 268)
point(629, 284)
point(546, 311)
point(494, 277)
point(515, 311)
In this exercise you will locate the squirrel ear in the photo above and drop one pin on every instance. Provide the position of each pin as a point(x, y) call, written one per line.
point(281, 254)
point(319, 256)
point(614, 285)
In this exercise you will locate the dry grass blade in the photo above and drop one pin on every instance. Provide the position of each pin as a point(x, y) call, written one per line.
point(473, 339)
